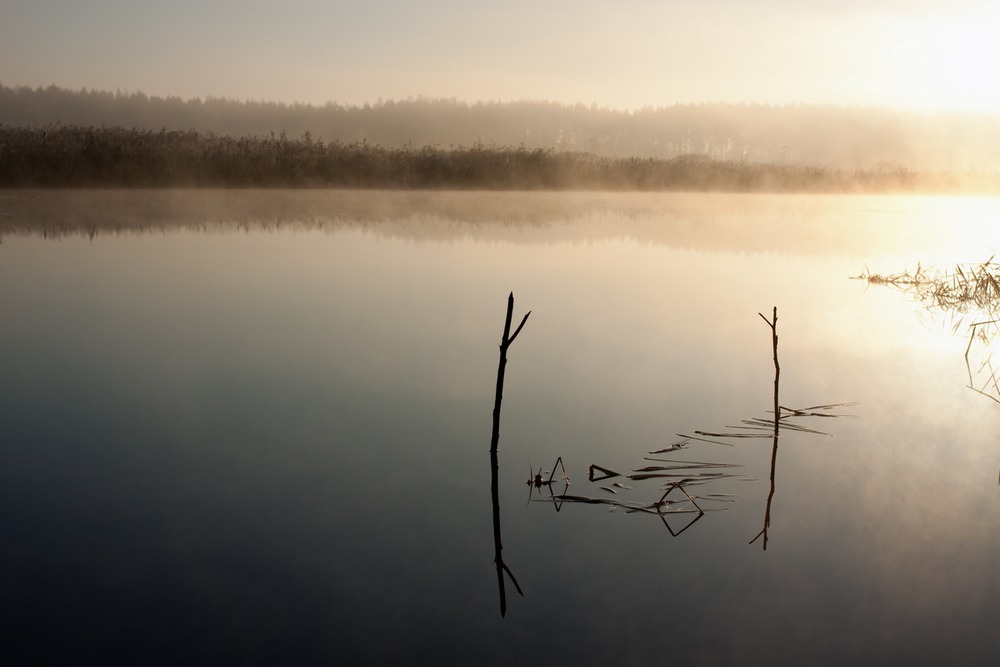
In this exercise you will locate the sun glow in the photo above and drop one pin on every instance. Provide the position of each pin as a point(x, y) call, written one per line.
point(944, 63)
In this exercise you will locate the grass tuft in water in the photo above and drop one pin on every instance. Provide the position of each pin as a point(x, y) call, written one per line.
point(968, 296)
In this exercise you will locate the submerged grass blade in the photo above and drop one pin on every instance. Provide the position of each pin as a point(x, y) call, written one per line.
point(638, 477)
point(709, 434)
point(681, 465)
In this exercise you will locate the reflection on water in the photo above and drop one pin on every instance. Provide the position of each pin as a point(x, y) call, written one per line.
point(249, 436)
point(861, 226)
point(538, 482)
point(498, 560)
point(505, 342)
point(964, 298)
point(680, 476)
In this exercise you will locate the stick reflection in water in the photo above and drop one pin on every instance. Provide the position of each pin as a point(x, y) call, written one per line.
point(678, 494)
point(678, 503)
point(494, 463)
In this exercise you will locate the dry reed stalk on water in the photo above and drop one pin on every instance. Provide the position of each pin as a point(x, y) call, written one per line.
point(680, 475)
point(966, 291)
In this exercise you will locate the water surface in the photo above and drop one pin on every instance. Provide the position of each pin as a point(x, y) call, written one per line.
point(254, 427)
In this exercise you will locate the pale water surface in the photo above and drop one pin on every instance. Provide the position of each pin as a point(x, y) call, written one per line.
point(253, 428)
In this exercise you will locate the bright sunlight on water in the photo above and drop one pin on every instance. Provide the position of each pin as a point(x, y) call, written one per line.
point(254, 427)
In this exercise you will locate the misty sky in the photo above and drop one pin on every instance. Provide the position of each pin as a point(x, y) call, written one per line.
point(925, 54)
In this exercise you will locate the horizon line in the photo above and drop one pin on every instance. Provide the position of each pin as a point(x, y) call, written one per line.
point(592, 106)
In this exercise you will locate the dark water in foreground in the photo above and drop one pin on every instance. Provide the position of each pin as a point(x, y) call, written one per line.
point(240, 440)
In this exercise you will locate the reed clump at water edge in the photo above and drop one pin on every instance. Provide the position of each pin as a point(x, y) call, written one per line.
point(962, 288)
point(968, 297)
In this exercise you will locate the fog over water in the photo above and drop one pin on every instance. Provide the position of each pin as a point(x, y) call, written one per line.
point(848, 225)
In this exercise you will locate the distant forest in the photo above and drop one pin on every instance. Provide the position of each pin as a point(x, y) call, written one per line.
point(855, 139)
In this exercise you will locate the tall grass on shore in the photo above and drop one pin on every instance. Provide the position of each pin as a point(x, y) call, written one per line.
point(115, 157)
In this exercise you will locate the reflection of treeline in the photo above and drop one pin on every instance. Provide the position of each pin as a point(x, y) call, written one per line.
point(62, 156)
point(819, 135)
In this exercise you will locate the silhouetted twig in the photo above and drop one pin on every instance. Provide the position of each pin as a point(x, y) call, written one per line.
point(504, 345)
point(494, 463)
point(773, 323)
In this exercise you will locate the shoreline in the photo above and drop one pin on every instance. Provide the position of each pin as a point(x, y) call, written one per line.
point(69, 157)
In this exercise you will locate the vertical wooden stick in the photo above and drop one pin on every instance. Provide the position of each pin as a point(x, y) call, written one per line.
point(773, 323)
point(505, 343)
point(494, 463)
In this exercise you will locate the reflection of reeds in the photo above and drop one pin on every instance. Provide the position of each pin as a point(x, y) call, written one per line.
point(677, 476)
point(537, 481)
point(675, 499)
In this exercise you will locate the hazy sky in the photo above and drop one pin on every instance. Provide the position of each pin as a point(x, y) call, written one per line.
point(625, 54)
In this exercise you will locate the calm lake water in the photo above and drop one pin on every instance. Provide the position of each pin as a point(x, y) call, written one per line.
point(254, 427)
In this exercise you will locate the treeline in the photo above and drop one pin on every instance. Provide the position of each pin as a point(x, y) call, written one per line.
point(66, 156)
point(827, 136)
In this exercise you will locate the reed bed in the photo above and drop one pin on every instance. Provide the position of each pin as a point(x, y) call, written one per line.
point(117, 157)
